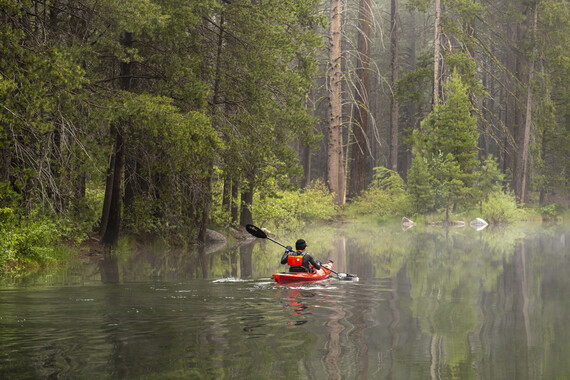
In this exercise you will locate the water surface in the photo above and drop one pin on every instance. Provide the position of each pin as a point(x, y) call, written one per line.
point(430, 303)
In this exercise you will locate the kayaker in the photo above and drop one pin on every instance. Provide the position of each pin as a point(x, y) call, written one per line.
point(300, 260)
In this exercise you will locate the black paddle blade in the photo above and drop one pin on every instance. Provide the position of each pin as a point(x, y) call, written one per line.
point(255, 231)
point(347, 277)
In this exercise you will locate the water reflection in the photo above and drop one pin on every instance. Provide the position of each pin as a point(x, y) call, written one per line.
point(431, 303)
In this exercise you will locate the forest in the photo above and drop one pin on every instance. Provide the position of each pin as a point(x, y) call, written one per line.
point(166, 118)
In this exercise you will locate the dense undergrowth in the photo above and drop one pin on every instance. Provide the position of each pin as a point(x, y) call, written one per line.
point(39, 239)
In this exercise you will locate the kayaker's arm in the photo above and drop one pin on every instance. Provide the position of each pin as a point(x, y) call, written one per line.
point(288, 250)
point(315, 263)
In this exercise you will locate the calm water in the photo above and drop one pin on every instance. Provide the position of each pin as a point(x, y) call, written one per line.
point(430, 303)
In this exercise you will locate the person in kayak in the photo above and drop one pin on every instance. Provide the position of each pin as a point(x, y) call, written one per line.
point(300, 260)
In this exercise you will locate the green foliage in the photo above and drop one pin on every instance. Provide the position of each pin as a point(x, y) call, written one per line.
point(141, 218)
point(386, 196)
point(172, 151)
point(26, 240)
point(445, 152)
point(466, 68)
point(501, 207)
point(412, 85)
point(291, 210)
point(86, 215)
point(551, 212)
point(489, 179)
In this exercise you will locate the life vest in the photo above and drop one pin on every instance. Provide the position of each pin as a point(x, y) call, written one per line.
point(295, 260)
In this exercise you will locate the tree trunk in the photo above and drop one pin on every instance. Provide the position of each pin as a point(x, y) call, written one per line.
point(307, 153)
point(112, 223)
point(335, 168)
point(411, 107)
point(206, 199)
point(522, 167)
point(394, 112)
point(512, 111)
point(436, 51)
point(246, 203)
point(311, 104)
point(361, 96)
point(234, 206)
point(108, 194)
point(227, 193)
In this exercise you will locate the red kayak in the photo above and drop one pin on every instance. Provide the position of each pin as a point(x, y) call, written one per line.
point(320, 274)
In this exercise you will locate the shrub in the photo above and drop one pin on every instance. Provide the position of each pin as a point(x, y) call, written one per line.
point(551, 211)
point(384, 197)
point(291, 210)
point(26, 241)
point(501, 207)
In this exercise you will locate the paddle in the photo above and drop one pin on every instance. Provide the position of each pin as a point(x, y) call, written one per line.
point(262, 235)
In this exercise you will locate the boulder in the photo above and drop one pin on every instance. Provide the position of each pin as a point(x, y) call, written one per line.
point(213, 236)
point(407, 223)
point(478, 224)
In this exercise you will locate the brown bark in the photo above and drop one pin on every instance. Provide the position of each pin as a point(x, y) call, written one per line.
point(436, 51)
point(361, 96)
point(113, 222)
point(335, 168)
point(111, 234)
point(107, 197)
point(246, 203)
point(522, 167)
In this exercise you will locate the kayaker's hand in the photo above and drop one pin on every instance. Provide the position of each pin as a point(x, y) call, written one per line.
point(318, 262)
point(288, 249)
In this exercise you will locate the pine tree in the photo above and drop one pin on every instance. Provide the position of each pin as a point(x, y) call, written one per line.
point(448, 143)
point(420, 186)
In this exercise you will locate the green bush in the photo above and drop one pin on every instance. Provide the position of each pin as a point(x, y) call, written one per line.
point(26, 240)
point(501, 207)
point(291, 210)
point(551, 211)
point(384, 197)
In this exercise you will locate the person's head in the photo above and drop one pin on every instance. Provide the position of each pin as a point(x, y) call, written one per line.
point(300, 245)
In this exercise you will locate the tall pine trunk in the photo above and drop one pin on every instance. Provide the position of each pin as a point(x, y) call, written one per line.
point(246, 216)
point(394, 112)
point(360, 125)
point(113, 222)
point(335, 168)
point(522, 167)
point(436, 52)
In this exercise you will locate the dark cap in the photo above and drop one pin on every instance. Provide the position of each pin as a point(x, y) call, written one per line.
point(300, 245)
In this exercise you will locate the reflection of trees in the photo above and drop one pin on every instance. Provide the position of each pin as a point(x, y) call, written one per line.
point(245, 260)
point(491, 304)
point(524, 330)
point(457, 303)
point(109, 268)
point(447, 270)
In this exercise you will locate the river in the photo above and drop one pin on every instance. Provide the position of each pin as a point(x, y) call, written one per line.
point(430, 303)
